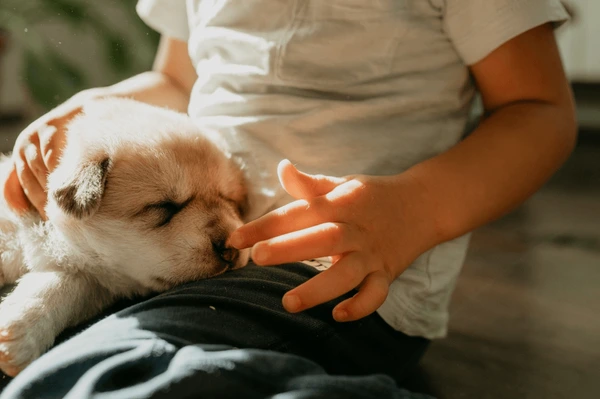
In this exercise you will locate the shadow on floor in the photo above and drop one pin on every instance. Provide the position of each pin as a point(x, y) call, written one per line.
point(525, 316)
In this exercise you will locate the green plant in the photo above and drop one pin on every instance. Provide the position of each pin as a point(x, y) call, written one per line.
point(48, 73)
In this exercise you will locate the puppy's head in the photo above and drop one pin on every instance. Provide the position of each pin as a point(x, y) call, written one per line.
point(147, 192)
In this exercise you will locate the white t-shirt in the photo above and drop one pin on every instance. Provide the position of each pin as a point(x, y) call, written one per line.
point(343, 87)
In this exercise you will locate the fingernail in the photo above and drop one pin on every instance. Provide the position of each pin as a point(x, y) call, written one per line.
point(340, 315)
point(284, 162)
point(236, 240)
point(291, 303)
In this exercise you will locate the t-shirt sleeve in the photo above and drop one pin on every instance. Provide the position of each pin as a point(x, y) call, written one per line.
point(167, 17)
point(478, 27)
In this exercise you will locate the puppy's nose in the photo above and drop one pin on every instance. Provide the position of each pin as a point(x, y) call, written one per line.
point(227, 253)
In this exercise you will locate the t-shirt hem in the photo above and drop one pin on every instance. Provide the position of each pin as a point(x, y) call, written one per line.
point(406, 321)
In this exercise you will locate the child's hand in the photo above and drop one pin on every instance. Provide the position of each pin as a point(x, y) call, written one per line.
point(372, 227)
point(36, 153)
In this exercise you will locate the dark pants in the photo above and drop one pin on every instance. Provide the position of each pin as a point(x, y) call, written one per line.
point(226, 337)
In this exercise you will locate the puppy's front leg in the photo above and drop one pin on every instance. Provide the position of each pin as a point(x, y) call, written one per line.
point(41, 306)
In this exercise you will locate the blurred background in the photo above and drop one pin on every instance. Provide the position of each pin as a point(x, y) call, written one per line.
point(525, 318)
point(51, 49)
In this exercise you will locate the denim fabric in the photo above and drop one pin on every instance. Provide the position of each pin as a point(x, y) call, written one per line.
point(226, 337)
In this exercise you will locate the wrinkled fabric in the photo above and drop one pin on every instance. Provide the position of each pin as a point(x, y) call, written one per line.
point(228, 337)
point(155, 369)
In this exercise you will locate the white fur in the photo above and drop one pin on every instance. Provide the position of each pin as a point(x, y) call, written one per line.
point(103, 242)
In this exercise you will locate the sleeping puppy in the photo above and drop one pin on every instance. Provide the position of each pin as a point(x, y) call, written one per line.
point(142, 200)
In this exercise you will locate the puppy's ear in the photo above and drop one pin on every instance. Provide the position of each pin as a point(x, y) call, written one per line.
point(81, 193)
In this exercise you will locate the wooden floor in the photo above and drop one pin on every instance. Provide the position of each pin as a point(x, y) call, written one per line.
point(525, 316)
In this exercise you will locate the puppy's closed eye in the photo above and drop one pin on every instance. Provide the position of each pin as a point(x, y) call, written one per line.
point(166, 210)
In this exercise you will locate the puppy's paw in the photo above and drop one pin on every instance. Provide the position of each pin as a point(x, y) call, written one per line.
point(18, 347)
point(24, 334)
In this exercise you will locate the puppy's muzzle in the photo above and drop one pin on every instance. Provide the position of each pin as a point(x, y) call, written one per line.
point(228, 254)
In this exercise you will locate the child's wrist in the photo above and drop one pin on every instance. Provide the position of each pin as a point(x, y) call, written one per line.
point(422, 212)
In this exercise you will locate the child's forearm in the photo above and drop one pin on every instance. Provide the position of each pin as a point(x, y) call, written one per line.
point(153, 87)
point(504, 161)
point(168, 85)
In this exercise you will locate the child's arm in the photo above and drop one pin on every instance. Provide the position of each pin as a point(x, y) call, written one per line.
point(376, 226)
point(38, 147)
point(529, 131)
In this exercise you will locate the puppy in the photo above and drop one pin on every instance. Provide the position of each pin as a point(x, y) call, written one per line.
point(142, 200)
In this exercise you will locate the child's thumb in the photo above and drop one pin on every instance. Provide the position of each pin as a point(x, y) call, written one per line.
point(301, 185)
point(14, 194)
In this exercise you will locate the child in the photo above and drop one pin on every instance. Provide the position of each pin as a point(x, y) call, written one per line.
point(377, 91)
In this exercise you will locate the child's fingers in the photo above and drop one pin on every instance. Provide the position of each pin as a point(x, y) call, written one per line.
point(334, 282)
point(295, 216)
point(31, 186)
point(14, 194)
point(370, 297)
point(51, 142)
point(325, 239)
point(301, 185)
point(33, 156)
